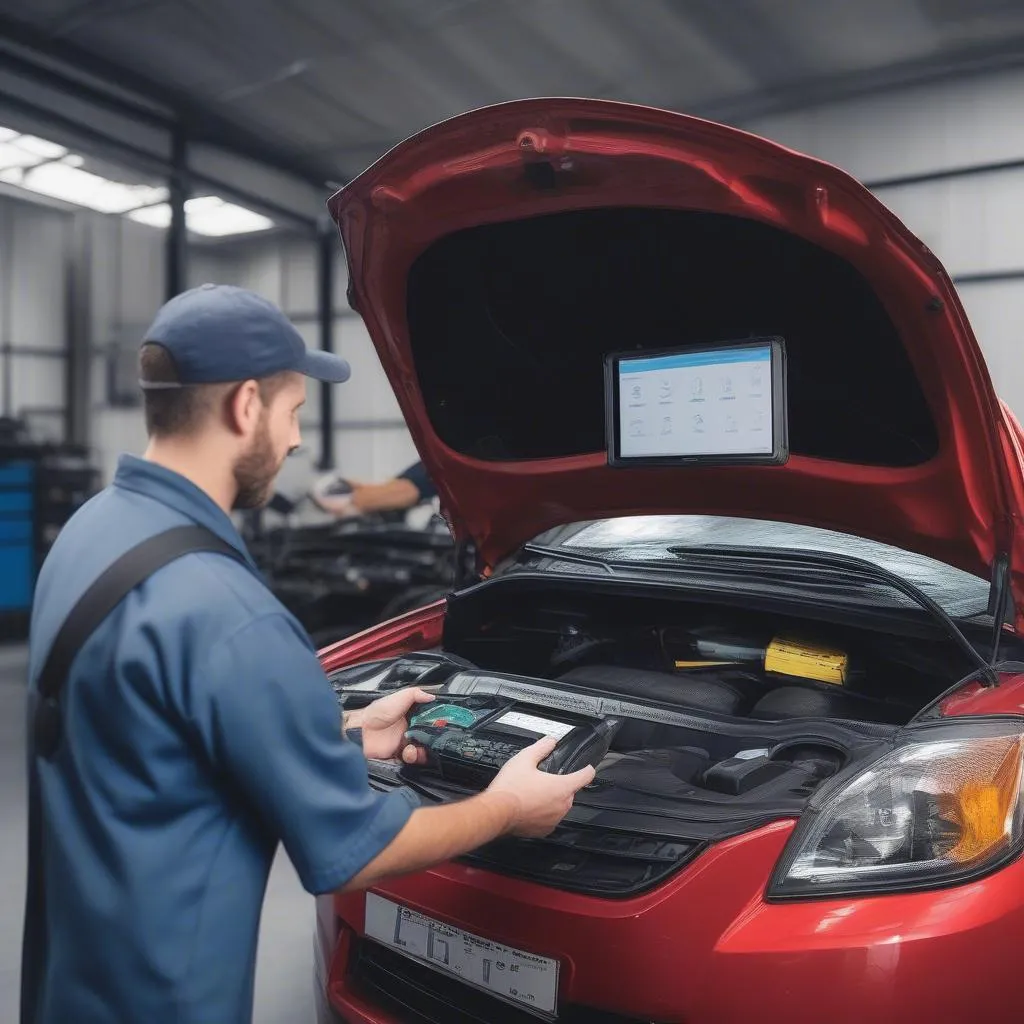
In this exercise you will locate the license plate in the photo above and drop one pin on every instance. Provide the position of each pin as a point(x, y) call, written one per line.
point(512, 974)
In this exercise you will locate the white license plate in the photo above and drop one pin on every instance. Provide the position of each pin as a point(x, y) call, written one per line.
point(512, 974)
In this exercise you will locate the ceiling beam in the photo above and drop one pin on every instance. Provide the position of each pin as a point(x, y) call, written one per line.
point(743, 34)
point(200, 124)
point(802, 94)
point(55, 77)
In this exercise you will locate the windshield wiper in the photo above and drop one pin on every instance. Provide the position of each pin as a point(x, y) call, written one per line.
point(855, 568)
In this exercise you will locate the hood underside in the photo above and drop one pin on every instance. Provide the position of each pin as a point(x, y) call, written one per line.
point(497, 258)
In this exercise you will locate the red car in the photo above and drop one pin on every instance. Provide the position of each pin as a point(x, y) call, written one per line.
point(806, 657)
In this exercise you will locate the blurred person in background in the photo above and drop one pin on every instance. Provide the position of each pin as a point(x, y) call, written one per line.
point(344, 498)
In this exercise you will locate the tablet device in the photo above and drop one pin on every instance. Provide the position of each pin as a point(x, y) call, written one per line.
point(721, 404)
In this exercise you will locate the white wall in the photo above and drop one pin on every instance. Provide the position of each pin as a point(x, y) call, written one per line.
point(32, 314)
point(974, 223)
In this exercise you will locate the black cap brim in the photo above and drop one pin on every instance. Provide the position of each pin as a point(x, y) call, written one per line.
point(325, 366)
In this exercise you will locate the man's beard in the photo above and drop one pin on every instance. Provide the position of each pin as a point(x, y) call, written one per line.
point(256, 471)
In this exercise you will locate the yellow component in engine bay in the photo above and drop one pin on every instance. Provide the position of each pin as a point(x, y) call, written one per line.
point(807, 661)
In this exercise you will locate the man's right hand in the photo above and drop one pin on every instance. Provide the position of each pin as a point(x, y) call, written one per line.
point(522, 801)
point(540, 800)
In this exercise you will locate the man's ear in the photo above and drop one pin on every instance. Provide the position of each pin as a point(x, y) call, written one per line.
point(243, 408)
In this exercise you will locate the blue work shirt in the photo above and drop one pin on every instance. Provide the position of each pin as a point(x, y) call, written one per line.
point(199, 731)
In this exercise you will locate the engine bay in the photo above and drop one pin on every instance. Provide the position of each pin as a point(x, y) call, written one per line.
point(702, 723)
point(737, 662)
point(651, 756)
point(670, 780)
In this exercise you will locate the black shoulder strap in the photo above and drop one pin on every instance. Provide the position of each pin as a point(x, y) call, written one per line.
point(99, 600)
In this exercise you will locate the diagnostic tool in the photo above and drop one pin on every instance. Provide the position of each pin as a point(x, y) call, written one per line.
point(469, 738)
point(721, 404)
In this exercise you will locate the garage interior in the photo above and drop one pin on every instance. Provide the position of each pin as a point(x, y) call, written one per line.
point(148, 147)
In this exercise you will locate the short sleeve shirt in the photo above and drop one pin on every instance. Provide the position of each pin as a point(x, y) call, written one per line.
point(200, 731)
point(417, 475)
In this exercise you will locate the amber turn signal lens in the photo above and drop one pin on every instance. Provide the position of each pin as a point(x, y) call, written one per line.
point(983, 806)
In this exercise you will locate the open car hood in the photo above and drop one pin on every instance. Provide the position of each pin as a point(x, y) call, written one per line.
point(497, 257)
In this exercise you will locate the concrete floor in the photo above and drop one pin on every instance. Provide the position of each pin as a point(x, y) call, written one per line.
point(284, 992)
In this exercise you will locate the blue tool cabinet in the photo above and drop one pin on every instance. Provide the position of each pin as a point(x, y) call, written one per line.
point(18, 542)
point(41, 487)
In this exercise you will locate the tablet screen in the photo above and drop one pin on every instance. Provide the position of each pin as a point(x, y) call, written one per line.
point(723, 403)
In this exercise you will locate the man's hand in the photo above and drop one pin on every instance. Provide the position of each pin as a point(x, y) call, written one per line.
point(521, 800)
point(336, 495)
point(540, 800)
point(384, 723)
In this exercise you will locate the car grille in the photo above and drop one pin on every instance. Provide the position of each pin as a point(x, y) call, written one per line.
point(420, 995)
point(591, 859)
point(597, 862)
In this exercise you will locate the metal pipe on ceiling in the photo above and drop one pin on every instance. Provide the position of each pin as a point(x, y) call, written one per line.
point(945, 174)
point(178, 187)
point(6, 307)
point(326, 249)
point(988, 277)
point(63, 81)
point(78, 329)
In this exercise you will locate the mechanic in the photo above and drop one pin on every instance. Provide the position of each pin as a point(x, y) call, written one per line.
point(404, 491)
point(197, 727)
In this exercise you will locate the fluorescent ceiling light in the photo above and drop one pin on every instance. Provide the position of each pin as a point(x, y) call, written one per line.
point(26, 150)
point(211, 215)
point(46, 168)
point(73, 185)
point(206, 215)
point(12, 155)
point(41, 148)
point(158, 216)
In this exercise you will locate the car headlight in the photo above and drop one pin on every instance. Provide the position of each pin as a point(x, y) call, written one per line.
point(943, 807)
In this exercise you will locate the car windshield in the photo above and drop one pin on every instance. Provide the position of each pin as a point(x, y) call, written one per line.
point(632, 542)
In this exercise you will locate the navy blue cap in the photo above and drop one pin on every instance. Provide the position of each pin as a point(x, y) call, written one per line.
point(218, 333)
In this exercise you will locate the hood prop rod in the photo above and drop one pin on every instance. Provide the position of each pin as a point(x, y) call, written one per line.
point(998, 603)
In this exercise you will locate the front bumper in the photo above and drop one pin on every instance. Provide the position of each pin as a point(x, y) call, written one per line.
point(705, 948)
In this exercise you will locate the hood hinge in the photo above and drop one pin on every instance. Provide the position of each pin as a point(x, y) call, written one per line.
point(467, 564)
point(467, 568)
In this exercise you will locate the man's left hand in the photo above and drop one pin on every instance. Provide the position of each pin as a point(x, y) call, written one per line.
point(384, 723)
